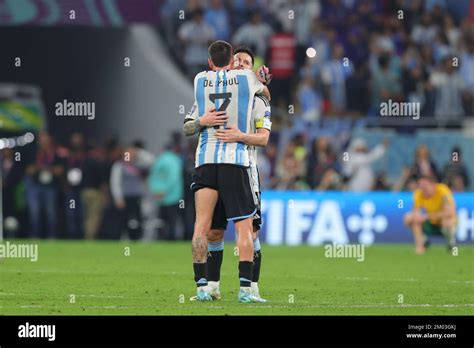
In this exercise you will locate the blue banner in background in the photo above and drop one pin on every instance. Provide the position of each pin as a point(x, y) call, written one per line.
point(314, 218)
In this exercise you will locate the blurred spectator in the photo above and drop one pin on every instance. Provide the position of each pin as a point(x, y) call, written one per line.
point(310, 100)
point(74, 166)
point(381, 182)
point(423, 165)
point(449, 88)
point(12, 192)
point(166, 184)
point(330, 181)
point(467, 73)
point(385, 83)
point(455, 173)
point(43, 177)
point(291, 167)
point(127, 185)
point(321, 160)
point(188, 157)
point(406, 182)
point(94, 190)
point(282, 55)
point(425, 31)
point(267, 162)
point(334, 76)
point(358, 166)
point(196, 35)
point(254, 34)
point(217, 16)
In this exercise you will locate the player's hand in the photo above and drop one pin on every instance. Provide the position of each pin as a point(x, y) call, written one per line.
point(120, 204)
point(231, 134)
point(263, 75)
point(213, 118)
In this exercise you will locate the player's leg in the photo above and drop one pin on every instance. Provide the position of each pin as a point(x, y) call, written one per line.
point(243, 229)
point(413, 223)
point(448, 229)
point(205, 199)
point(257, 224)
point(240, 207)
point(257, 263)
point(257, 253)
point(215, 248)
point(215, 255)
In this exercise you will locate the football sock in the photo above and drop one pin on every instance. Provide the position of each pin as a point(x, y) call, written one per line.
point(245, 273)
point(200, 276)
point(257, 260)
point(214, 260)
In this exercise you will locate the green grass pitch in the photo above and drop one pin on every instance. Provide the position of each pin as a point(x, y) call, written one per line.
point(156, 277)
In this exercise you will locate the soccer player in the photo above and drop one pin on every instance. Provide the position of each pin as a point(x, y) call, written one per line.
point(261, 127)
point(434, 213)
point(221, 168)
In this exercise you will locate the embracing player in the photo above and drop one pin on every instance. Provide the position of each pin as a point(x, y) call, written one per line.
point(222, 168)
point(260, 133)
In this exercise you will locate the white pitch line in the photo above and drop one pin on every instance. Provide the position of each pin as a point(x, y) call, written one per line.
point(65, 295)
point(404, 280)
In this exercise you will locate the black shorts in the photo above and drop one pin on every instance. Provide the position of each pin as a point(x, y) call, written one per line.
point(233, 186)
point(219, 218)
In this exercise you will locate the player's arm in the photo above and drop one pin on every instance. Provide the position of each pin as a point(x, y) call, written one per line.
point(233, 135)
point(448, 211)
point(264, 76)
point(261, 117)
point(417, 215)
point(258, 82)
point(266, 93)
point(193, 123)
point(191, 127)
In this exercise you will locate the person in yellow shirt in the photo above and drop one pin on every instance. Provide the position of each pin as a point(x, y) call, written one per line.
point(434, 213)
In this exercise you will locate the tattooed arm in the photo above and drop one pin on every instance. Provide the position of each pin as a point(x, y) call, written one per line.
point(192, 127)
point(193, 124)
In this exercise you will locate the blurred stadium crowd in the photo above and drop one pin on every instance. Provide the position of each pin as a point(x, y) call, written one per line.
point(404, 50)
point(110, 190)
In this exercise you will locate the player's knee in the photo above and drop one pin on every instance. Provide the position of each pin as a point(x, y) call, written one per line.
point(447, 223)
point(215, 235)
point(202, 227)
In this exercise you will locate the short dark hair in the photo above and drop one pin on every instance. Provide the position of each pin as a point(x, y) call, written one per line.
point(245, 49)
point(220, 53)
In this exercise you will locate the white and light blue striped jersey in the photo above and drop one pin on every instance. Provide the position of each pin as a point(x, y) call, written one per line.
point(231, 91)
point(261, 113)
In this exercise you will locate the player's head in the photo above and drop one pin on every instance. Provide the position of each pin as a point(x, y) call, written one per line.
point(244, 58)
point(220, 55)
point(426, 184)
